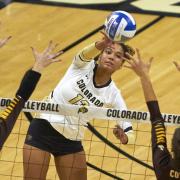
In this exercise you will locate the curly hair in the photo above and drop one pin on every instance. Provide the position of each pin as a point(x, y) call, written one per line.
point(126, 48)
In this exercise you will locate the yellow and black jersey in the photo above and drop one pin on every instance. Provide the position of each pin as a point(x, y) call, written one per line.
point(9, 115)
point(165, 168)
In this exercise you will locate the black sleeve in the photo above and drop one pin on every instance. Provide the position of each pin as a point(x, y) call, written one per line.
point(11, 113)
point(28, 84)
point(8, 118)
point(158, 128)
point(160, 153)
point(154, 110)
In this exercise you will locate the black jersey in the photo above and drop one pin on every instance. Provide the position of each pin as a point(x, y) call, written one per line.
point(9, 115)
point(165, 167)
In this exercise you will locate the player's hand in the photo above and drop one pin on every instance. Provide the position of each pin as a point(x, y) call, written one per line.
point(136, 63)
point(104, 42)
point(45, 58)
point(120, 134)
point(177, 65)
point(4, 41)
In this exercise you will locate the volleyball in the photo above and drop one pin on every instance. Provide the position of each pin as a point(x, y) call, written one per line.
point(120, 26)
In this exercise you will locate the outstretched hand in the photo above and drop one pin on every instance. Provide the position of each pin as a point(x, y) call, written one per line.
point(46, 57)
point(4, 41)
point(177, 65)
point(104, 42)
point(120, 134)
point(140, 67)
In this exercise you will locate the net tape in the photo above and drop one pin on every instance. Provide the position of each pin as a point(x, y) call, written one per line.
point(91, 112)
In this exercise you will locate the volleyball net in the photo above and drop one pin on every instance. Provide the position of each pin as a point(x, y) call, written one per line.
point(90, 112)
point(106, 157)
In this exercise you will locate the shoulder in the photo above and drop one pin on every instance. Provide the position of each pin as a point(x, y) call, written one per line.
point(114, 89)
point(80, 65)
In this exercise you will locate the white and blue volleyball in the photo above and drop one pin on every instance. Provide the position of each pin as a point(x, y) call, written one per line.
point(120, 26)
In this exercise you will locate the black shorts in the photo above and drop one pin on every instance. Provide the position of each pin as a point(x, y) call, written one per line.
point(43, 136)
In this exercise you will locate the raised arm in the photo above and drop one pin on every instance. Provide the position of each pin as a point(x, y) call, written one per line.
point(29, 81)
point(161, 155)
point(31, 78)
point(91, 51)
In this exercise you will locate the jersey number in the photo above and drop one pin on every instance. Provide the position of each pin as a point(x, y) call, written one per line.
point(79, 99)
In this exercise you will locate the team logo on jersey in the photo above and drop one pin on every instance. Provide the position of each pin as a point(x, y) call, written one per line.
point(161, 147)
point(83, 110)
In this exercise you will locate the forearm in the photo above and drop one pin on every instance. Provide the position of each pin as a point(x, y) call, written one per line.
point(8, 118)
point(89, 52)
point(10, 114)
point(28, 84)
point(158, 128)
point(154, 110)
point(148, 90)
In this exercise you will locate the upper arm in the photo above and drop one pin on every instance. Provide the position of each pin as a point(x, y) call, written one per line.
point(86, 55)
point(80, 62)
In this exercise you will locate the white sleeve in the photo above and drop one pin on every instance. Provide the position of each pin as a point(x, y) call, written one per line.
point(80, 62)
point(126, 126)
point(86, 55)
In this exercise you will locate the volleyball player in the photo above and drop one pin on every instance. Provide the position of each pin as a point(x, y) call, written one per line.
point(166, 167)
point(88, 83)
point(9, 115)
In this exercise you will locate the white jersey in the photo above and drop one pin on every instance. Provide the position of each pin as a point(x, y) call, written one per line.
point(78, 87)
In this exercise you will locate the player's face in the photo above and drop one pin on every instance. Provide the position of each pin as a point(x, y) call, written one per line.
point(111, 58)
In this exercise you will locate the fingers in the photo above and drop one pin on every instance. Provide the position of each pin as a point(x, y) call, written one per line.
point(102, 32)
point(53, 57)
point(130, 57)
point(105, 37)
point(126, 66)
point(177, 65)
point(118, 131)
point(33, 50)
point(57, 54)
point(47, 51)
point(115, 131)
point(130, 62)
point(4, 41)
point(9, 37)
point(150, 61)
point(48, 48)
point(47, 56)
point(138, 54)
point(55, 60)
point(51, 47)
point(34, 53)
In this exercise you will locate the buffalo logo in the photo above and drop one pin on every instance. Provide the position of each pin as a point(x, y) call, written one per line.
point(82, 110)
point(161, 147)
